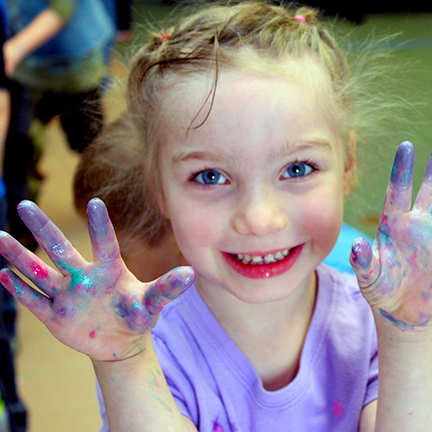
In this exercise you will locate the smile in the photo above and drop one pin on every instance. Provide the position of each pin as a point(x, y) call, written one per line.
point(263, 266)
point(262, 259)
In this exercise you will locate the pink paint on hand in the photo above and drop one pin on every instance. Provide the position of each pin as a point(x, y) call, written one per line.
point(40, 272)
point(92, 334)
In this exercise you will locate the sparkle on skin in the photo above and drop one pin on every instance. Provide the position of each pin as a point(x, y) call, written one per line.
point(79, 279)
point(40, 272)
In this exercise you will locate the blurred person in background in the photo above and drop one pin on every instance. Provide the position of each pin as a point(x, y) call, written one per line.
point(13, 416)
point(56, 58)
point(124, 20)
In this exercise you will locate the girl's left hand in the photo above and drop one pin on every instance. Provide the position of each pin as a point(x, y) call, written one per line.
point(396, 276)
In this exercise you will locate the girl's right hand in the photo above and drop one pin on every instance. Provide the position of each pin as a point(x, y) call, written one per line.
point(98, 308)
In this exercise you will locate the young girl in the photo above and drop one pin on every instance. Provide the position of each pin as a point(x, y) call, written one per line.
point(244, 115)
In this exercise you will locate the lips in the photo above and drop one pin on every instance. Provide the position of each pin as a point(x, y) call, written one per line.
point(263, 266)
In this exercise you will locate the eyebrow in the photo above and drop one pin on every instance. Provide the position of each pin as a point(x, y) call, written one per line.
point(286, 149)
point(183, 156)
point(289, 148)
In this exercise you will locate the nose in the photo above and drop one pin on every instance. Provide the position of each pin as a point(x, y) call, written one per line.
point(260, 213)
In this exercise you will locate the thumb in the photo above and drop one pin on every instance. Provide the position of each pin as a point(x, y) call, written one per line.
point(364, 262)
point(168, 287)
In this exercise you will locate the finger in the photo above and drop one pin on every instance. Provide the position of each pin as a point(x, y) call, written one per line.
point(423, 202)
point(399, 191)
point(104, 241)
point(364, 262)
point(30, 265)
point(34, 301)
point(50, 238)
point(168, 287)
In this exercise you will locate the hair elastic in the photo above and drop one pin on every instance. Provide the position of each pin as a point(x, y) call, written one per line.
point(165, 36)
point(301, 18)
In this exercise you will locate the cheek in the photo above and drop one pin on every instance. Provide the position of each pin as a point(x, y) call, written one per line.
point(323, 217)
point(195, 228)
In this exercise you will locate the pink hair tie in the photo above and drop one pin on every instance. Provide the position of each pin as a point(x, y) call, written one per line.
point(301, 18)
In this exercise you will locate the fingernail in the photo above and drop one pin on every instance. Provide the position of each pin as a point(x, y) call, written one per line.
point(180, 277)
point(97, 214)
point(189, 275)
point(27, 211)
point(361, 253)
point(402, 170)
point(3, 235)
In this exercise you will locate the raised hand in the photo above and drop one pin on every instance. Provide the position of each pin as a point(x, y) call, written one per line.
point(396, 277)
point(98, 308)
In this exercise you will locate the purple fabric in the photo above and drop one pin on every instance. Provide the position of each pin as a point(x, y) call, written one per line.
point(215, 385)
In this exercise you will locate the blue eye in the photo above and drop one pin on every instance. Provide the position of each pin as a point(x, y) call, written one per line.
point(297, 169)
point(210, 177)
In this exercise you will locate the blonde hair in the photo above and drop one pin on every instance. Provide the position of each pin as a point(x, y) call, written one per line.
point(207, 41)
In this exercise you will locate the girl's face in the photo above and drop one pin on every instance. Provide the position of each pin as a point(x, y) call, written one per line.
point(255, 194)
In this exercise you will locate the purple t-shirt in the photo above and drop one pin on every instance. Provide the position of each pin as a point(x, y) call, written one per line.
point(215, 385)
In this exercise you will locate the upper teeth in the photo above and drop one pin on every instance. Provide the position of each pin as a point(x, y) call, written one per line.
point(260, 259)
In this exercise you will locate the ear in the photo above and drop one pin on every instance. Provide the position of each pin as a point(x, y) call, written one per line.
point(163, 208)
point(164, 211)
point(350, 179)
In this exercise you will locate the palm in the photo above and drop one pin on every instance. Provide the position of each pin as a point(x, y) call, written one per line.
point(86, 312)
point(97, 308)
point(397, 280)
